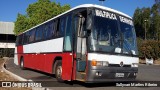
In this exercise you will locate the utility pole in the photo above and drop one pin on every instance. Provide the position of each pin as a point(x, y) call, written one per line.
point(145, 21)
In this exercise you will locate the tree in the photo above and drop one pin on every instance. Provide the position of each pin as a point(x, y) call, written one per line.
point(152, 25)
point(156, 20)
point(151, 47)
point(21, 24)
point(139, 18)
point(37, 13)
point(146, 21)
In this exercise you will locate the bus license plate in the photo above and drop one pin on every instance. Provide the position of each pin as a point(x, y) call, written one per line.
point(119, 75)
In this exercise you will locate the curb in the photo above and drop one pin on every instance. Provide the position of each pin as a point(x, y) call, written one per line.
point(12, 74)
point(18, 77)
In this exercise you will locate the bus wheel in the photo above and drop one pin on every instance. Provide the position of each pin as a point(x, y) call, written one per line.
point(22, 64)
point(58, 71)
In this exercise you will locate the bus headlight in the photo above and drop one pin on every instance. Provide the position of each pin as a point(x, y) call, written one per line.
point(134, 65)
point(99, 63)
point(105, 63)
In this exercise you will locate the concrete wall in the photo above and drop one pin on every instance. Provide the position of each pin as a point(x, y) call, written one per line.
point(6, 27)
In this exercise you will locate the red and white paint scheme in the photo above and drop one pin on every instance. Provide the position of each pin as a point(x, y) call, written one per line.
point(88, 43)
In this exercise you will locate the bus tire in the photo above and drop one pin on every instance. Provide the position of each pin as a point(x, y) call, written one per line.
point(58, 71)
point(22, 64)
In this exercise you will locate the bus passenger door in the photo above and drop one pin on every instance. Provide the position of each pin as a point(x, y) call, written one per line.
point(80, 46)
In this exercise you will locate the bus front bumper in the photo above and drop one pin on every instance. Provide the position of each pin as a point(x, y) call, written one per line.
point(104, 74)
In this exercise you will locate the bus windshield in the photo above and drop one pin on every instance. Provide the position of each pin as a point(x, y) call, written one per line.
point(129, 39)
point(109, 33)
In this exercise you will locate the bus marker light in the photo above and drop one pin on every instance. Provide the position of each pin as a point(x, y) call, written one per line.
point(93, 62)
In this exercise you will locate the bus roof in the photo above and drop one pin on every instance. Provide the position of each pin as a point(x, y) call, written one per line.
point(102, 7)
point(83, 6)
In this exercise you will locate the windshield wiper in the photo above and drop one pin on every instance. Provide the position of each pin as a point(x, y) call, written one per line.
point(126, 45)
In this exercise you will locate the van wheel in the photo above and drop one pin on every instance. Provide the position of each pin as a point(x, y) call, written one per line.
point(58, 71)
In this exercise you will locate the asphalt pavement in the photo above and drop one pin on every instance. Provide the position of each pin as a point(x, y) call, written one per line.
point(145, 73)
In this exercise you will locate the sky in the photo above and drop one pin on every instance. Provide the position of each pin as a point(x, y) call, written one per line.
point(10, 8)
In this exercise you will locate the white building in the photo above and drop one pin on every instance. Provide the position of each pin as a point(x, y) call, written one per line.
point(7, 37)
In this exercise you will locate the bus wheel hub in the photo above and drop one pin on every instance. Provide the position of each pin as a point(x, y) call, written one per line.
point(59, 71)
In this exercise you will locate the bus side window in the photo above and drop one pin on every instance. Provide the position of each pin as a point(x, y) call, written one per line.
point(39, 34)
point(19, 40)
point(45, 28)
point(68, 35)
point(56, 27)
point(26, 37)
point(62, 26)
point(49, 30)
point(32, 36)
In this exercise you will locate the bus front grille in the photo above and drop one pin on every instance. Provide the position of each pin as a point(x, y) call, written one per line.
point(117, 65)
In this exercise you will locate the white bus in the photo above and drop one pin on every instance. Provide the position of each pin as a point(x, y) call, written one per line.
point(88, 43)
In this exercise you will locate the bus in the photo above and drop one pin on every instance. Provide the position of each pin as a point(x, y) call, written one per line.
point(88, 43)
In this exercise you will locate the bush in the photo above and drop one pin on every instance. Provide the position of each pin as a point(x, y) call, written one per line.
point(148, 48)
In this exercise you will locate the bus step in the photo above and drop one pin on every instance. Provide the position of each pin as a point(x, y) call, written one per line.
point(82, 73)
point(82, 80)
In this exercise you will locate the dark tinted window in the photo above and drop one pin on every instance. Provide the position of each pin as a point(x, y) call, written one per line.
point(7, 38)
point(25, 38)
point(49, 30)
point(39, 33)
point(62, 26)
point(19, 40)
point(56, 27)
point(32, 35)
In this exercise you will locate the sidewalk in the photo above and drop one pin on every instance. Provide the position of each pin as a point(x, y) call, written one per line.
point(6, 77)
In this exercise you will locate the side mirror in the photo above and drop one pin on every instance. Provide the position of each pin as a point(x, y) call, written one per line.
point(118, 50)
point(133, 52)
point(89, 19)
